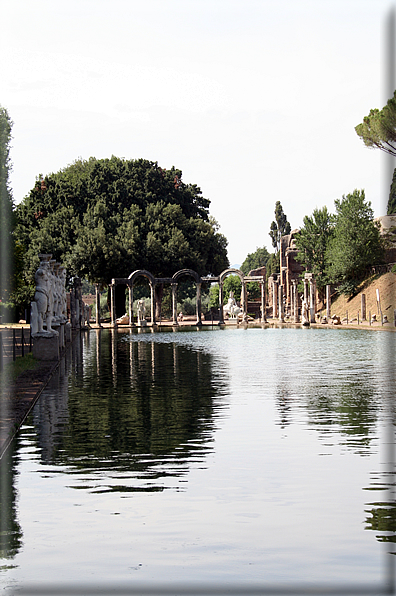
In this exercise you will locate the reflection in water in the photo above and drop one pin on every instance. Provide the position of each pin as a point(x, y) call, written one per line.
point(10, 530)
point(133, 405)
point(247, 415)
point(350, 406)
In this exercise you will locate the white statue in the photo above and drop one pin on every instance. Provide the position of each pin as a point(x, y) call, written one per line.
point(304, 312)
point(141, 313)
point(41, 294)
point(50, 296)
point(231, 308)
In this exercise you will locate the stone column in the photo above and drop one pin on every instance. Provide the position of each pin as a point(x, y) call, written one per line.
point(291, 291)
point(112, 304)
point(274, 299)
point(152, 310)
point(280, 305)
point(263, 313)
point(97, 301)
point(221, 321)
point(174, 305)
point(363, 305)
point(312, 300)
point(199, 308)
point(328, 303)
point(295, 301)
point(130, 309)
point(244, 302)
point(73, 314)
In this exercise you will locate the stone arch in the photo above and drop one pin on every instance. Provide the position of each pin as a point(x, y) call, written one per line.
point(222, 277)
point(175, 282)
point(182, 272)
point(141, 272)
point(152, 281)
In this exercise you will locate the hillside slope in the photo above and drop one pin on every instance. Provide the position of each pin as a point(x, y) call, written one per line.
point(386, 284)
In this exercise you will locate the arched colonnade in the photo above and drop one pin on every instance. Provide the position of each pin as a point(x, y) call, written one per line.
point(173, 281)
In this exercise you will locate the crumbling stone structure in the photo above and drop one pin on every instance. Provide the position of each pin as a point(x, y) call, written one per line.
point(290, 271)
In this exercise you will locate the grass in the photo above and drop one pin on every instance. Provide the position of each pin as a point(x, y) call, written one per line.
point(12, 370)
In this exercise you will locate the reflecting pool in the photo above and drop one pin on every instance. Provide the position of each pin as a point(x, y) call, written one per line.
point(236, 456)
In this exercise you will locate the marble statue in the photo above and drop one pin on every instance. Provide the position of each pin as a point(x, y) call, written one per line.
point(231, 308)
point(41, 293)
point(141, 313)
point(304, 312)
point(49, 304)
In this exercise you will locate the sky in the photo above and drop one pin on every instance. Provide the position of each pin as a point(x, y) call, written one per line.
point(255, 101)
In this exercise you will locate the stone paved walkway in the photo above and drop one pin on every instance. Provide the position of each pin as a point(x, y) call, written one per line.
point(18, 398)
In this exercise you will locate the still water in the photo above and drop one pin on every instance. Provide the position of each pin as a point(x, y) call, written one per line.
point(232, 456)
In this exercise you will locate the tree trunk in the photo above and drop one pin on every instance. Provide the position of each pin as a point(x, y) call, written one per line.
point(159, 292)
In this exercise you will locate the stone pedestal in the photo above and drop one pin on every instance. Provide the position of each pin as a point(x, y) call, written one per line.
point(68, 332)
point(46, 348)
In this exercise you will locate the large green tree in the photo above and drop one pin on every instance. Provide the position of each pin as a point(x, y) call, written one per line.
point(355, 244)
point(6, 206)
point(280, 227)
point(378, 131)
point(312, 242)
point(105, 218)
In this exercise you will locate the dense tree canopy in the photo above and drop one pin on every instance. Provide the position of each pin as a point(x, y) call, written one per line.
point(392, 196)
point(105, 218)
point(312, 242)
point(355, 244)
point(6, 205)
point(255, 260)
point(378, 131)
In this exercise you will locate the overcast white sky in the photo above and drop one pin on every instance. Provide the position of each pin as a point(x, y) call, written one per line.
point(254, 100)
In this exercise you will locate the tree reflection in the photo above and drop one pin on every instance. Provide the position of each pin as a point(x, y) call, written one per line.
point(140, 405)
point(10, 530)
point(382, 518)
point(349, 407)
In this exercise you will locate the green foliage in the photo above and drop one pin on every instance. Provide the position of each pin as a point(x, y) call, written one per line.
point(273, 265)
point(7, 312)
point(255, 260)
point(280, 227)
point(312, 242)
point(378, 129)
point(105, 218)
point(391, 209)
point(87, 288)
point(6, 206)
point(231, 282)
point(189, 305)
point(355, 244)
point(214, 296)
point(253, 290)
point(13, 369)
